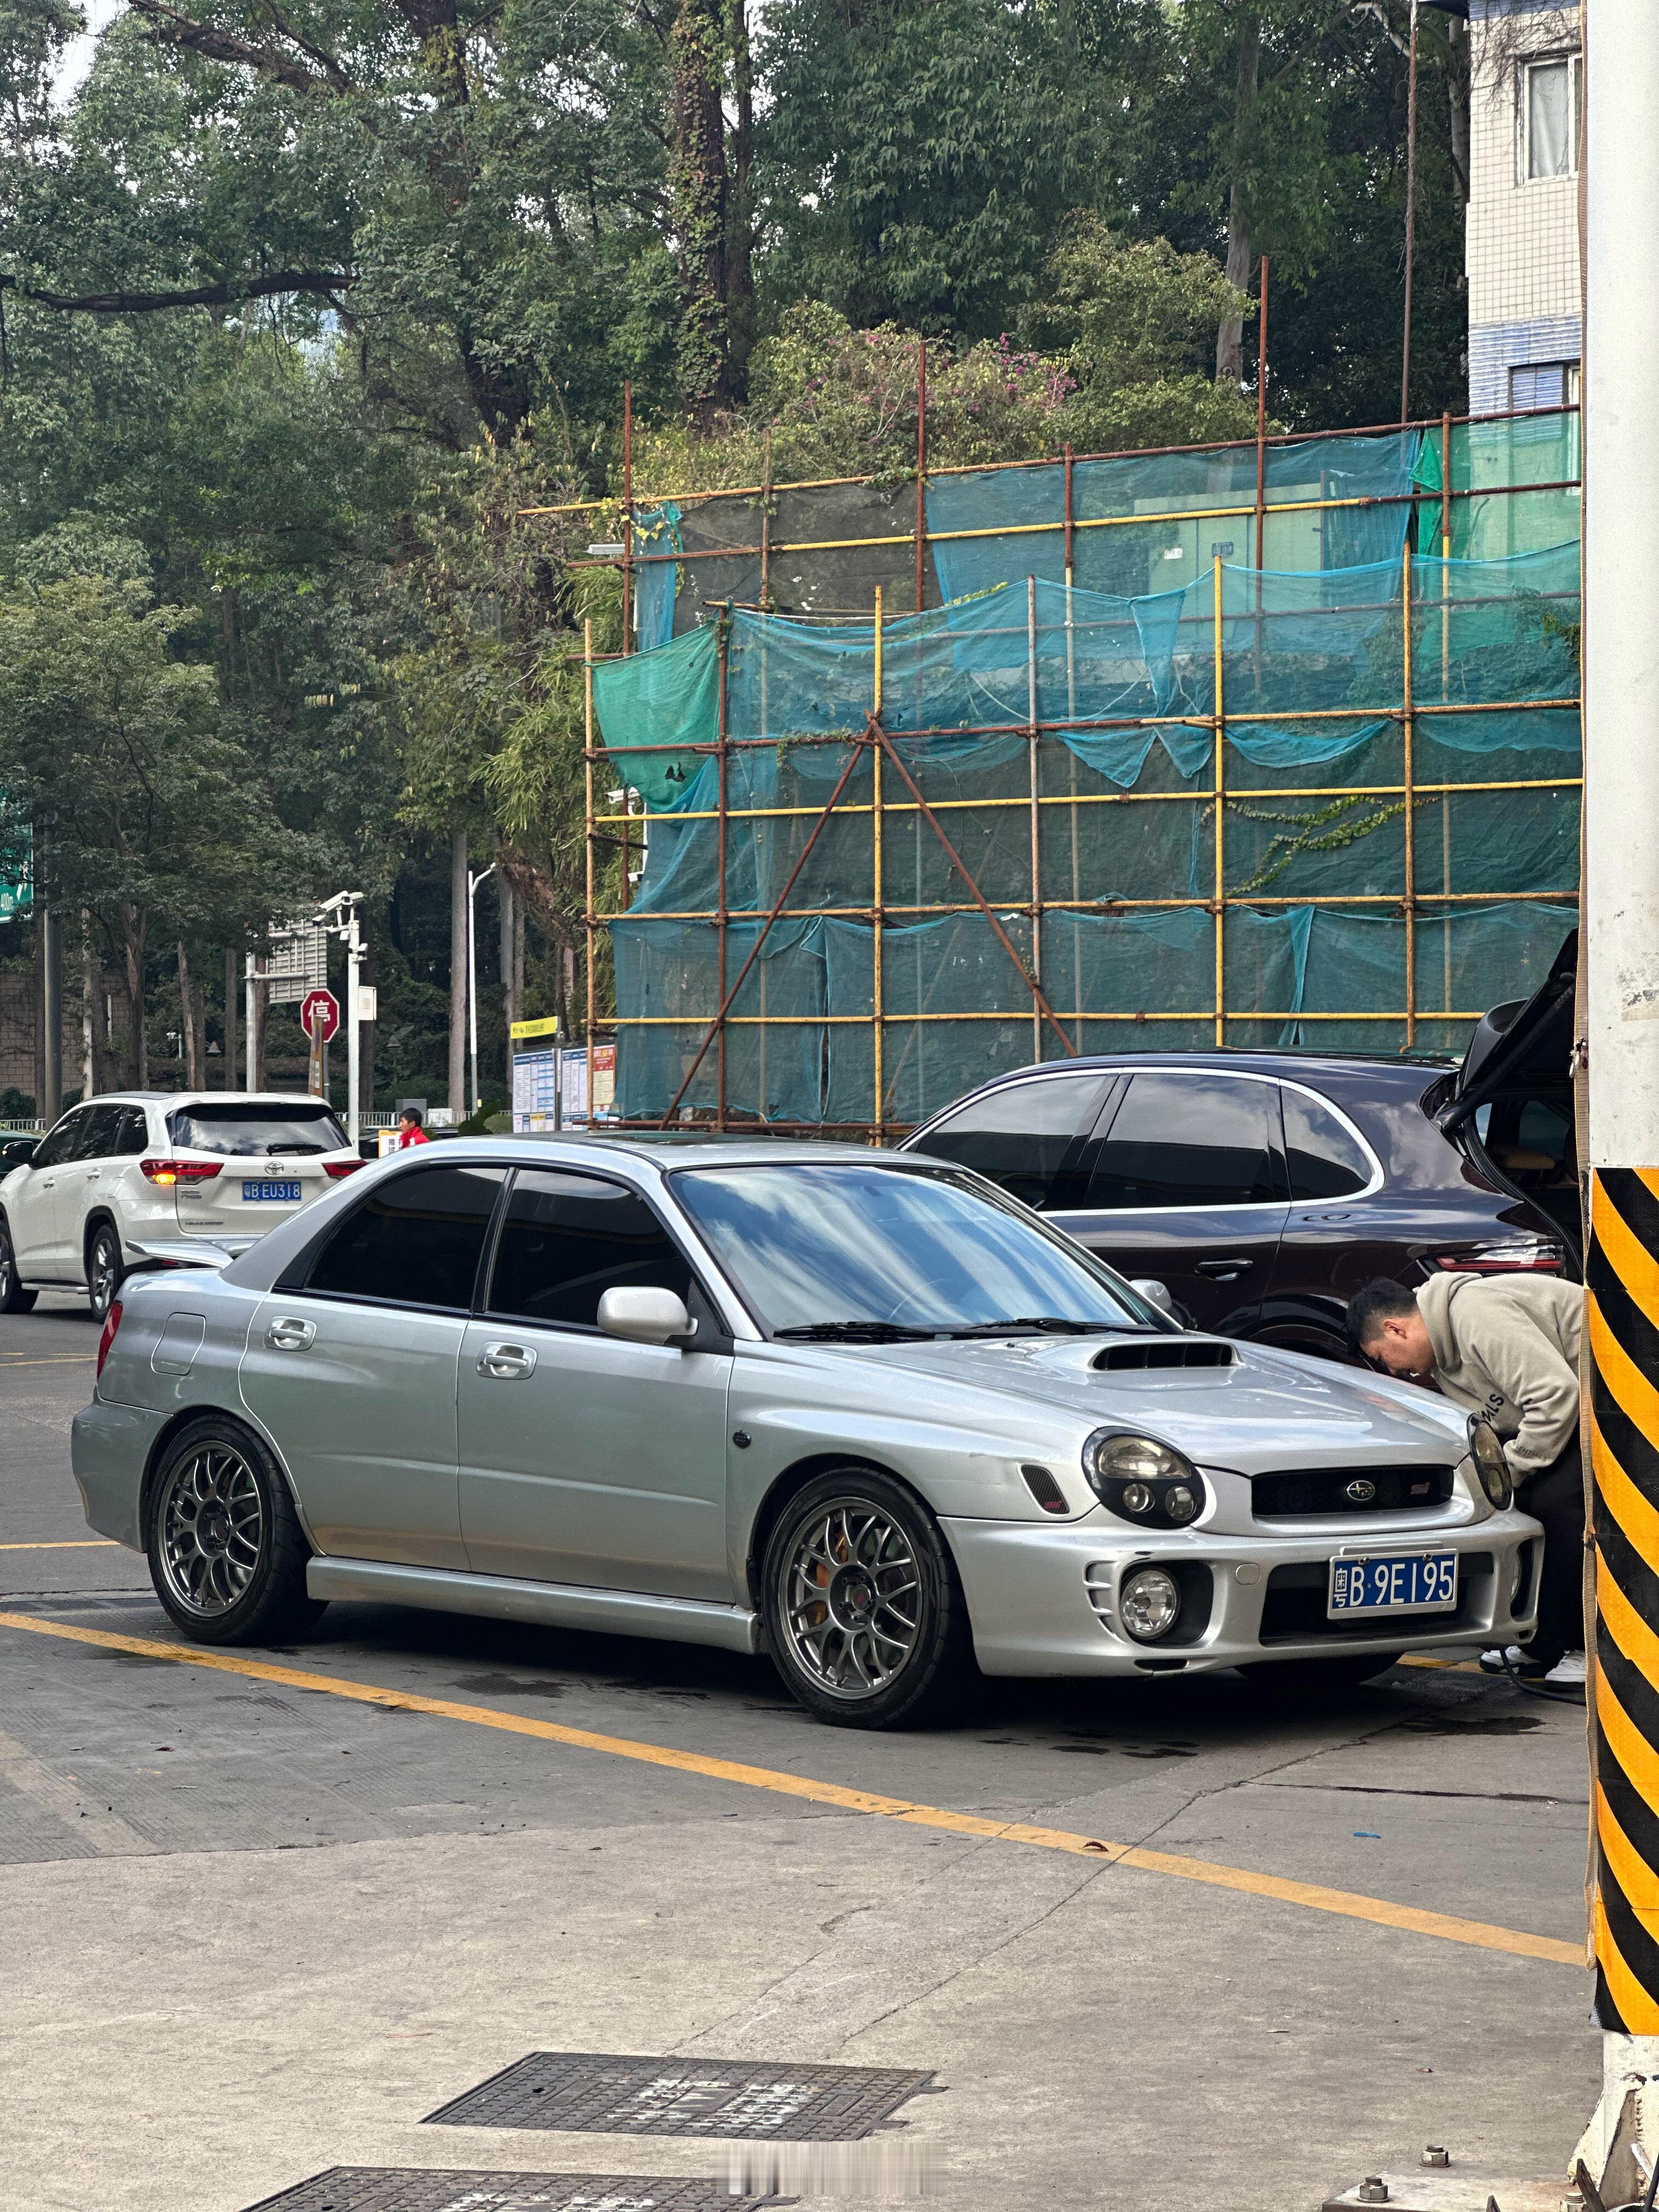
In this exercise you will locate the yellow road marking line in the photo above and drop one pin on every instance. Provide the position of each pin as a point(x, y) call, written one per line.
point(82, 1544)
point(1445, 1666)
point(1314, 1895)
point(58, 1359)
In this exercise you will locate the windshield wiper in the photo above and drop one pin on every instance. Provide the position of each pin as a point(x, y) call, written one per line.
point(1044, 1325)
point(302, 1146)
point(854, 1332)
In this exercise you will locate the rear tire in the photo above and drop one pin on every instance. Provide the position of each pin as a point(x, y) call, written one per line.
point(864, 1610)
point(226, 1553)
point(105, 1269)
point(13, 1298)
point(1308, 1677)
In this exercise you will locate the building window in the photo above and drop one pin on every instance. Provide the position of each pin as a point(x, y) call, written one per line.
point(1543, 384)
point(1549, 117)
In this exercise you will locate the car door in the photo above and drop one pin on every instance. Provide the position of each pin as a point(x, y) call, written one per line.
point(585, 1459)
point(351, 1366)
point(1022, 1136)
point(32, 1208)
point(1329, 1247)
point(1183, 1179)
point(79, 1180)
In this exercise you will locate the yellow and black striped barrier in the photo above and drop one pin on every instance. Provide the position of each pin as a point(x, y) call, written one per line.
point(1622, 1316)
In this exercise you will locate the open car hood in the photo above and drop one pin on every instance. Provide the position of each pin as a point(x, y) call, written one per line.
point(1529, 1040)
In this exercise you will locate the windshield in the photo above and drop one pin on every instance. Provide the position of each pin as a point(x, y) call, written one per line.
point(884, 1251)
point(251, 1130)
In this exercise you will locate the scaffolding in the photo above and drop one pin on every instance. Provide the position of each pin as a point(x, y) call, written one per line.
point(884, 853)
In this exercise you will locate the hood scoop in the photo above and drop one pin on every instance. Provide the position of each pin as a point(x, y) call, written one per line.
point(1166, 1352)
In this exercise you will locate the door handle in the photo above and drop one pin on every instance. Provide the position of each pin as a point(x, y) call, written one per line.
point(1225, 1271)
point(506, 1363)
point(291, 1334)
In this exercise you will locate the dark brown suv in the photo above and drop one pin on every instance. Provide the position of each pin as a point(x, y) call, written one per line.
point(1263, 1189)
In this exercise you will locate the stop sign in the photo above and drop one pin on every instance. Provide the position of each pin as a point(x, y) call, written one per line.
point(319, 1011)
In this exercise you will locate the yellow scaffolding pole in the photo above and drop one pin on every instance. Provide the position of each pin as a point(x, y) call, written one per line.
point(1220, 801)
point(878, 886)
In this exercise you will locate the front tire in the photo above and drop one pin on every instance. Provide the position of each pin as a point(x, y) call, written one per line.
point(226, 1553)
point(13, 1298)
point(863, 1611)
point(106, 1270)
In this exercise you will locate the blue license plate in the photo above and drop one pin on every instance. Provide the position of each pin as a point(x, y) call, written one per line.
point(1401, 1582)
point(270, 1194)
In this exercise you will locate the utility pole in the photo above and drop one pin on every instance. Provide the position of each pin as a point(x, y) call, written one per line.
point(1620, 905)
point(52, 1014)
point(472, 883)
point(342, 914)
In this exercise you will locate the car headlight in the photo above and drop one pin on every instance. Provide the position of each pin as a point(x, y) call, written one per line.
point(1140, 1479)
point(1487, 1450)
point(1149, 1603)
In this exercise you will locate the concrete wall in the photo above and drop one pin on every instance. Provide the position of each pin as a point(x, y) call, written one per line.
point(1525, 305)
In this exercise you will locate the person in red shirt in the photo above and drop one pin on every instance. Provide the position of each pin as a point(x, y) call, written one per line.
point(409, 1131)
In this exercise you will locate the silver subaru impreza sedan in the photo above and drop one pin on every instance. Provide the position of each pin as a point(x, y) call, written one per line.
point(863, 1411)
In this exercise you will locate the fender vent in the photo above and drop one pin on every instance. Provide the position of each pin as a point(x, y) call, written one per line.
point(1166, 1352)
point(1046, 1491)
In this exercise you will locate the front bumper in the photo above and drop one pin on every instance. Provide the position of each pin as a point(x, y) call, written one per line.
point(1043, 1601)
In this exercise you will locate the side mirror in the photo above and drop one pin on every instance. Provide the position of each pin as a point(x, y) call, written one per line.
point(1155, 1293)
point(646, 1316)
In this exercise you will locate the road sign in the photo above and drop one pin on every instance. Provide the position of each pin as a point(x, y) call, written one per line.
point(548, 1026)
point(320, 1009)
point(295, 960)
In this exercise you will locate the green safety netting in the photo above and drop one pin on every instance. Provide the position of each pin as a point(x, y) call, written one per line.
point(1520, 473)
point(1120, 778)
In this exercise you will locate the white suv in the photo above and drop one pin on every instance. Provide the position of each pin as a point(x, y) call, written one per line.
point(122, 1175)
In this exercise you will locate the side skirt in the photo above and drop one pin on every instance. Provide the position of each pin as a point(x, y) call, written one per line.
point(544, 1605)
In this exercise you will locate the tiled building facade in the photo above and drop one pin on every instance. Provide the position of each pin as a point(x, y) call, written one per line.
point(1525, 304)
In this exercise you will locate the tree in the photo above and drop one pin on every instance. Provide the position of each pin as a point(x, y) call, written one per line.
point(148, 816)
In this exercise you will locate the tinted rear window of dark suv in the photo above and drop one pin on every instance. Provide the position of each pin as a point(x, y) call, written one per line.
point(251, 1131)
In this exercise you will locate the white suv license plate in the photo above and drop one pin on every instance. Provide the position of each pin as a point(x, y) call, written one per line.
point(270, 1194)
point(1397, 1582)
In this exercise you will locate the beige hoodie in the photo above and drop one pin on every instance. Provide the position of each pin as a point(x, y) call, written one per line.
point(1507, 1347)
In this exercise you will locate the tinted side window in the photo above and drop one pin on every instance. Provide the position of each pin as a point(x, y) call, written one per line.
point(102, 1138)
point(566, 1239)
point(416, 1239)
point(61, 1144)
point(1324, 1160)
point(1189, 1140)
point(1019, 1136)
point(133, 1135)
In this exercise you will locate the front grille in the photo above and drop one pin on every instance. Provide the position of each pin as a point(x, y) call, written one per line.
point(1164, 1352)
point(1293, 1609)
point(1322, 1490)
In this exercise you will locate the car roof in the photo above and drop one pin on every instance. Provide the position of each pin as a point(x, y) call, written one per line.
point(1309, 1065)
point(711, 1150)
point(199, 1098)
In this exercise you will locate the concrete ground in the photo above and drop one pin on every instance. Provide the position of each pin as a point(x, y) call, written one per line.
point(252, 1928)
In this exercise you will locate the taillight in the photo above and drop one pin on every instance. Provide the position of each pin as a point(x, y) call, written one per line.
point(112, 1322)
point(1520, 1255)
point(334, 1168)
point(171, 1171)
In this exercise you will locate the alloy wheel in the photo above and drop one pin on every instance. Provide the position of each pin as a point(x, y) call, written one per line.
point(103, 1272)
point(211, 1520)
point(8, 1266)
point(852, 1599)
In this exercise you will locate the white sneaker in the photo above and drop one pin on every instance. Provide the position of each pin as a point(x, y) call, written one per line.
point(1569, 1672)
point(1527, 1670)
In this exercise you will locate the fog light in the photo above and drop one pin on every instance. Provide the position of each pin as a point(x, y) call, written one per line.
point(1137, 1498)
point(1179, 1501)
point(1148, 1604)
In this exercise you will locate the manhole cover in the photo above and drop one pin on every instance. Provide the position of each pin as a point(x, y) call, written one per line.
point(735, 2098)
point(381, 2189)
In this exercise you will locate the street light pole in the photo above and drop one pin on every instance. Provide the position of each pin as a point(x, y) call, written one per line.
point(1621, 993)
point(472, 883)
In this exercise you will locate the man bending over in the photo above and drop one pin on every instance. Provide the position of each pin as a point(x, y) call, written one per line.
point(1505, 1346)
